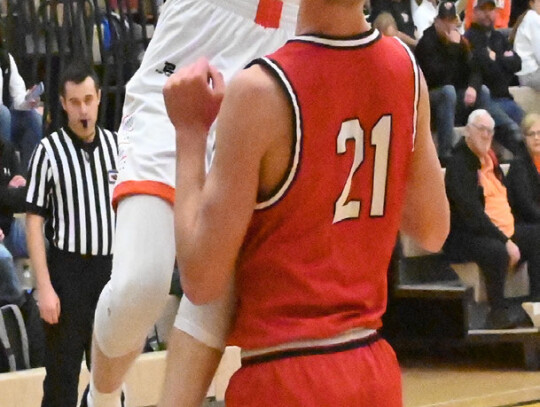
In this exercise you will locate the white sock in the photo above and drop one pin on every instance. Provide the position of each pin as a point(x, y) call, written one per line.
point(98, 399)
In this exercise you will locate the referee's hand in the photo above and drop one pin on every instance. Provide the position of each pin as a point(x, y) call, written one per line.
point(49, 304)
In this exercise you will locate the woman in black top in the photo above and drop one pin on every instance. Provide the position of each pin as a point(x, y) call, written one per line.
point(523, 180)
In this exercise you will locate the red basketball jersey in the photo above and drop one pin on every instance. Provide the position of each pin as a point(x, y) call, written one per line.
point(315, 258)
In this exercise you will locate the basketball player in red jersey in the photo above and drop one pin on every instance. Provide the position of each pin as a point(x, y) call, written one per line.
point(323, 153)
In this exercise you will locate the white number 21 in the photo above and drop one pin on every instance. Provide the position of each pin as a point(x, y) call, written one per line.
point(380, 139)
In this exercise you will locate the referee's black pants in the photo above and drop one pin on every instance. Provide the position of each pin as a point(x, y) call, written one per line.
point(78, 281)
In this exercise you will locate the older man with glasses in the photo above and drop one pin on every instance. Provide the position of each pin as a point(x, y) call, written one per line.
point(483, 228)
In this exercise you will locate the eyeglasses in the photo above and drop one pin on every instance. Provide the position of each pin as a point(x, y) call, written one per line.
point(535, 134)
point(487, 129)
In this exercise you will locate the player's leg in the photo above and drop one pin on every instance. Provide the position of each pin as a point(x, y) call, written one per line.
point(191, 363)
point(188, 374)
point(134, 299)
point(146, 137)
point(136, 294)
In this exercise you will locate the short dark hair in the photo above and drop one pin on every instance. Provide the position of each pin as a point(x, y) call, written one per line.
point(77, 72)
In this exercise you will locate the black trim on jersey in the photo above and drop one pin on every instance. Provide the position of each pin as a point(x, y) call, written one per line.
point(318, 350)
point(268, 68)
point(335, 42)
point(416, 96)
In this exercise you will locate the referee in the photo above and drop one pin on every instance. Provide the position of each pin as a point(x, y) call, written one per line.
point(71, 175)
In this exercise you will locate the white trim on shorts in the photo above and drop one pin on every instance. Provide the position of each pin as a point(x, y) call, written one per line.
point(344, 337)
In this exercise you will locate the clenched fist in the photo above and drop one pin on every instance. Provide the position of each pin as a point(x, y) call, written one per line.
point(193, 96)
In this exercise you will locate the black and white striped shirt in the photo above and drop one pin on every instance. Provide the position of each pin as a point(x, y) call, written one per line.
point(70, 184)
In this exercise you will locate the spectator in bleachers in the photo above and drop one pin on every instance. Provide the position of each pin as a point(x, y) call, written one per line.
point(455, 83)
point(12, 199)
point(494, 55)
point(11, 291)
point(20, 123)
point(401, 11)
point(524, 174)
point(526, 39)
point(502, 13)
point(443, 55)
point(483, 228)
point(386, 24)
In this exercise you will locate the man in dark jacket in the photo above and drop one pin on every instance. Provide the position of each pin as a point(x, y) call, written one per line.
point(12, 199)
point(455, 83)
point(493, 54)
point(482, 225)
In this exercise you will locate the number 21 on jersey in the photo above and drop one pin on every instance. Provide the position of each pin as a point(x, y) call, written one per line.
point(380, 140)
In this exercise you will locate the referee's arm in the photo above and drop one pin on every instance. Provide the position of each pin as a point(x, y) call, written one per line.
point(49, 304)
point(48, 301)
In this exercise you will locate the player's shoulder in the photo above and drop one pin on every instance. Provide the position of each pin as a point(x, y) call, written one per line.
point(256, 88)
point(253, 80)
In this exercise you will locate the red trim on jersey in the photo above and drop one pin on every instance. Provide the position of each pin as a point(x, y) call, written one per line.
point(269, 13)
point(154, 188)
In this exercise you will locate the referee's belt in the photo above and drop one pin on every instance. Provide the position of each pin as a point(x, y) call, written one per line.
point(355, 338)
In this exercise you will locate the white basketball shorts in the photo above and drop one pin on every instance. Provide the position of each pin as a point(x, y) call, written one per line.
point(230, 33)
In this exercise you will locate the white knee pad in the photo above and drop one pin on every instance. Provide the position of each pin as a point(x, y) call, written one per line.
point(208, 323)
point(143, 263)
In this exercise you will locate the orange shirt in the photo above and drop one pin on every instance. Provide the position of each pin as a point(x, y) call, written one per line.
point(537, 163)
point(503, 13)
point(497, 206)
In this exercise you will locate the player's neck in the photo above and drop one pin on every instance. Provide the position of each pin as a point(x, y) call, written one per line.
point(331, 18)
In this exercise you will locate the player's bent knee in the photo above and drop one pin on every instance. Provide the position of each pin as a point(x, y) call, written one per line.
point(131, 308)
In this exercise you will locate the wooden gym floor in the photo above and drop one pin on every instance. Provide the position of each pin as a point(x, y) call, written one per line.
point(482, 376)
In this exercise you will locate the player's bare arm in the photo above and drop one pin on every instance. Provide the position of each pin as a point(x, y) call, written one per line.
point(212, 214)
point(427, 221)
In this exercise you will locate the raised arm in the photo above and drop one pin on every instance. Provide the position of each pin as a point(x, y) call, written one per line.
point(212, 213)
point(426, 216)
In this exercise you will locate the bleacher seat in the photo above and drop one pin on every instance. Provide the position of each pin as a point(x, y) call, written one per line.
point(527, 98)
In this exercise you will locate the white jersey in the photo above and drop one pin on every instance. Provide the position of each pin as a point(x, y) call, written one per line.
point(230, 33)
